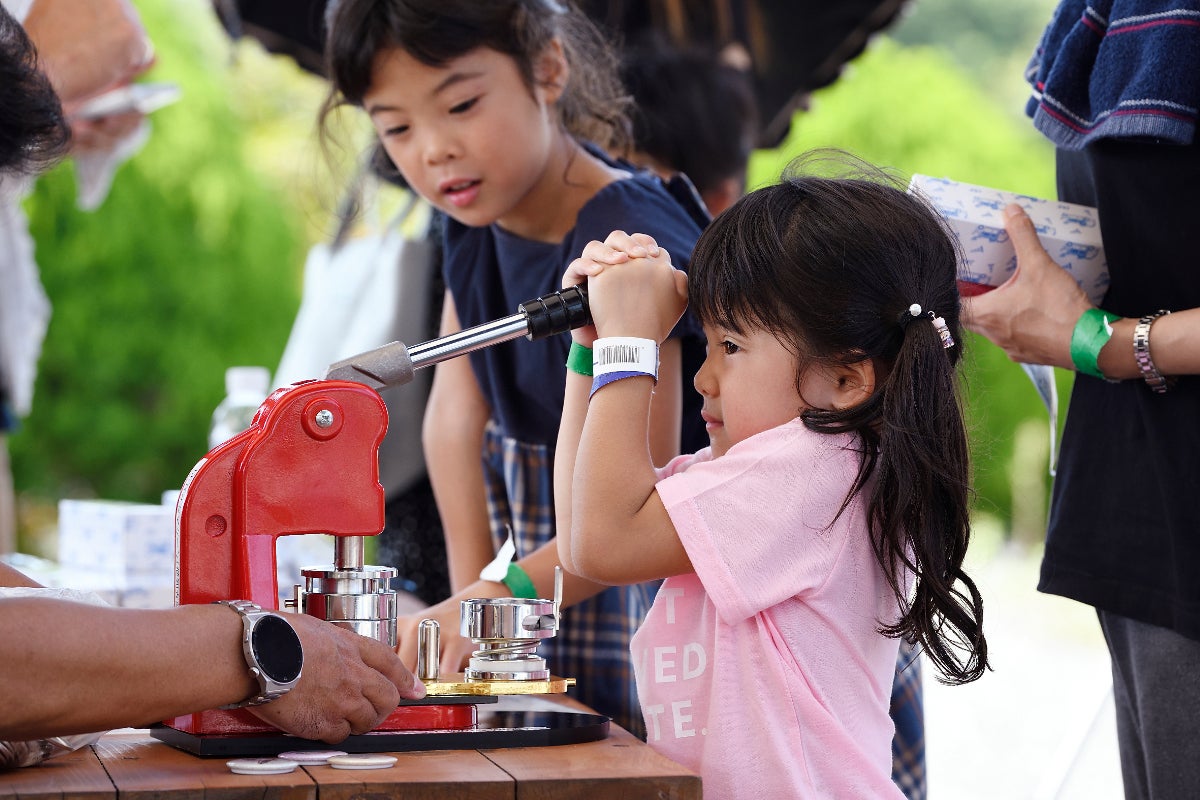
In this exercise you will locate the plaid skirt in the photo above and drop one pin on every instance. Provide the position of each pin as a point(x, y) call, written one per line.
point(593, 644)
point(908, 714)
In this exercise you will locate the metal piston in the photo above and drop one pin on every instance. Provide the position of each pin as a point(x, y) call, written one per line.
point(351, 595)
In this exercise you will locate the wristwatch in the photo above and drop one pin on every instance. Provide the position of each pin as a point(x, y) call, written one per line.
point(272, 649)
point(1141, 353)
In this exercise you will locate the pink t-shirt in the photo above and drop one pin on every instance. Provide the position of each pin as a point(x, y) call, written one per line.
point(764, 671)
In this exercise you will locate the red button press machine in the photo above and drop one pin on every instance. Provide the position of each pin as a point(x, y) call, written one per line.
point(309, 464)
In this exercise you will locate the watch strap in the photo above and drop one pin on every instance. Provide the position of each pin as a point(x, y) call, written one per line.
point(1141, 353)
point(269, 689)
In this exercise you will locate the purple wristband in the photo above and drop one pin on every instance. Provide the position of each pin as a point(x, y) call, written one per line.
point(601, 381)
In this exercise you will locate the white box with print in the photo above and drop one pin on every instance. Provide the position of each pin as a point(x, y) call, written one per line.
point(1069, 232)
point(115, 537)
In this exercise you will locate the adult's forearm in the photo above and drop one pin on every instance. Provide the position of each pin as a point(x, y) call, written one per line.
point(86, 47)
point(11, 577)
point(72, 668)
point(1174, 346)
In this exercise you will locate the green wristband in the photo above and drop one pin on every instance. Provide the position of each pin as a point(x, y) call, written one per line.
point(1092, 332)
point(579, 359)
point(518, 582)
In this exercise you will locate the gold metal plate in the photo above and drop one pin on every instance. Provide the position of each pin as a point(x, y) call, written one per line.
point(457, 684)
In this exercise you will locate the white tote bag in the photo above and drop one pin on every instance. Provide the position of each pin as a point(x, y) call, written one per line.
point(362, 292)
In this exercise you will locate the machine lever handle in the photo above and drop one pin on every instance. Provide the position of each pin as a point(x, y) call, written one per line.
point(394, 364)
point(557, 312)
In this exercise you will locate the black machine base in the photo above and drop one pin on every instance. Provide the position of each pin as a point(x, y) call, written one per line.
point(494, 729)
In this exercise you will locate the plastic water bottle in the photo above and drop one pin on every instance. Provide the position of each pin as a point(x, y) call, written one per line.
point(245, 389)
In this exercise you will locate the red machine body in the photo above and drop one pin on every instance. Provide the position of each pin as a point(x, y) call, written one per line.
point(283, 476)
point(308, 464)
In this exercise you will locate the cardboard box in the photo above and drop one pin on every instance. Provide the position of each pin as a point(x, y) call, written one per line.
point(135, 590)
point(1069, 232)
point(148, 591)
point(118, 538)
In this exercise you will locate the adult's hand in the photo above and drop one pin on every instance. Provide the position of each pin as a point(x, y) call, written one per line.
point(105, 134)
point(88, 46)
point(348, 686)
point(1032, 315)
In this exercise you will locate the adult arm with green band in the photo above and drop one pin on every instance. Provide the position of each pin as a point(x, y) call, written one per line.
point(1042, 316)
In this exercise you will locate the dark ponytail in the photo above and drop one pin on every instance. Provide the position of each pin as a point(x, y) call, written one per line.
point(831, 266)
point(920, 501)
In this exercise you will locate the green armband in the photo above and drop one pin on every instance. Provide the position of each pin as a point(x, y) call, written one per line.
point(579, 359)
point(518, 582)
point(1092, 332)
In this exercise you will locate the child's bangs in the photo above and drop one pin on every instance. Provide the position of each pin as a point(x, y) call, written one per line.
point(731, 282)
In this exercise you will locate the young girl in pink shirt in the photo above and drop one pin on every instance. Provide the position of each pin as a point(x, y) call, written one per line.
point(827, 519)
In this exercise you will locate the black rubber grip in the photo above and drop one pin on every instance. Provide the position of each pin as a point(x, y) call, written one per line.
point(556, 313)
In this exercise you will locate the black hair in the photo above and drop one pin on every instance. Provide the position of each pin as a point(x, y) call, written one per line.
point(593, 104)
point(691, 112)
point(831, 266)
point(33, 131)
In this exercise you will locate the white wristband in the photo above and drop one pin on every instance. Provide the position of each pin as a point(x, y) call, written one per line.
point(625, 354)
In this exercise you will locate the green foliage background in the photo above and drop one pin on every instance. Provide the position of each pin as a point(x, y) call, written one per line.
point(189, 266)
point(193, 262)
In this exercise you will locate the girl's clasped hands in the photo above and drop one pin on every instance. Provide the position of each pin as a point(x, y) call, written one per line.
point(633, 289)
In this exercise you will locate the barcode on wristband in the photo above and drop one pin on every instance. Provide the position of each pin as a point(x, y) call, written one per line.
point(618, 354)
point(625, 353)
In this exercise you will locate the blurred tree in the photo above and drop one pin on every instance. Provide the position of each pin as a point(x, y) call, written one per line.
point(989, 42)
point(912, 110)
point(191, 265)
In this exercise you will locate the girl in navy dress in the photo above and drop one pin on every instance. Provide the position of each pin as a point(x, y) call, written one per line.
point(499, 114)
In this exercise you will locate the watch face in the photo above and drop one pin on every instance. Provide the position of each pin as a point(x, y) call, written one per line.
point(277, 649)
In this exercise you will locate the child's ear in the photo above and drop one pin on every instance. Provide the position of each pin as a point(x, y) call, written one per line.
point(853, 383)
point(552, 71)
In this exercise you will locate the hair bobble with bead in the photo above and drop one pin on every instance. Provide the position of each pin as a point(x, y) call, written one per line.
point(915, 311)
point(943, 331)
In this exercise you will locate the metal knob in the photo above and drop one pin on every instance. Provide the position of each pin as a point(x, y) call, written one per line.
point(428, 650)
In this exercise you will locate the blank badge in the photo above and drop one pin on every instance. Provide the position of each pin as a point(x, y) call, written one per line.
point(261, 766)
point(362, 761)
point(311, 758)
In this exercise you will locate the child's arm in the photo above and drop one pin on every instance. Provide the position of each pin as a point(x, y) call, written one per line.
point(612, 526)
point(570, 430)
point(455, 417)
point(667, 408)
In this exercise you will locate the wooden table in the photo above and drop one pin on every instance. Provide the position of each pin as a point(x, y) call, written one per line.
point(133, 766)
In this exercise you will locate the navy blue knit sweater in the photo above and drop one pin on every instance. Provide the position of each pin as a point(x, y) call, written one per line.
point(1102, 71)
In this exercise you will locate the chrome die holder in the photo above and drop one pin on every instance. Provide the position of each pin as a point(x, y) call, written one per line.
point(351, 595)
point(507, 631)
